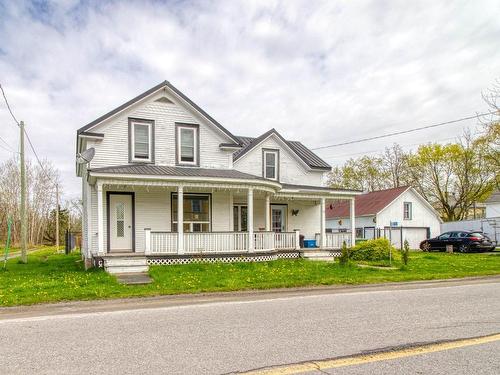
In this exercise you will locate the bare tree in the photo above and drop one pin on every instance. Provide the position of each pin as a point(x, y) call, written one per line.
point(395, 164)
point(40, 198)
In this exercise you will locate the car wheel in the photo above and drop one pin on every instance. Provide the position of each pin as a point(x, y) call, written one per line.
point(426, 246)
point(463, 248)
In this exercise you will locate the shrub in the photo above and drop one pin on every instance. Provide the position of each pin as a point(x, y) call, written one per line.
point(344, 256)
point(405, 253)
point(378, 249)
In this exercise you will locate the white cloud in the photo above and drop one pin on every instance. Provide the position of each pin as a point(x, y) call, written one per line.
point(318, 71)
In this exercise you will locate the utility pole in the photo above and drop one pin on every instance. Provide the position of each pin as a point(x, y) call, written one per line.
point(24, 226)
point(57, 217)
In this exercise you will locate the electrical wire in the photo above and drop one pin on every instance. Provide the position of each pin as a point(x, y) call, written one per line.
point(7, 146)
point(404, 131)
point(8, 106)
point(37, 158)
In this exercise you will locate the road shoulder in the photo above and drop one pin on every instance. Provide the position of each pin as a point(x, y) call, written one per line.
point(123, 304)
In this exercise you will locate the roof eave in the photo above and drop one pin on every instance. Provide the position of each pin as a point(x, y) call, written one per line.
point(152, 91)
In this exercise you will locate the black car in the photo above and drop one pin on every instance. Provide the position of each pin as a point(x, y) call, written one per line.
point(463, 241)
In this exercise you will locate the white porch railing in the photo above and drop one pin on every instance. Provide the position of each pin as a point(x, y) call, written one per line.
point(163, 242)
point(215, 242)
point(335, 240)
point(218, 242)
point(263, 241)
point(286, 240)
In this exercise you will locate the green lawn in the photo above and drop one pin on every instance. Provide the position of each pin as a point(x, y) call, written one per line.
point(50, 277)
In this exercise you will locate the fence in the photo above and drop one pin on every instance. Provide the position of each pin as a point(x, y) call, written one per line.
point(490, 226)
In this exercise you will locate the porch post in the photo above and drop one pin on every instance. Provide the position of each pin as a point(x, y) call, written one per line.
point(180, 220)
point(322, 237)
point(250, 219)
point(147, 241)
point(268, 212)
point(100, 220)
point(231, 215)
point(88, 212)
point(353, 223)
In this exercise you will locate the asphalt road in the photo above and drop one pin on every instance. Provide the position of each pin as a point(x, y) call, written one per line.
point(217, 336)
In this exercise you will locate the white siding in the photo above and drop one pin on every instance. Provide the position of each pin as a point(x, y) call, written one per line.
point(113, 149)
point(221, 212)
point(422, 216)
point(307, 221)
point(85, 229)
point(94, 229)
point(291, 169)
point(492, 210)
point(360, 221)
point(153, 210)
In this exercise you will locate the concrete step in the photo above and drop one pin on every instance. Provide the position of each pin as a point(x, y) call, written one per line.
point(125, 264)
point(316, 254)
point(137, 278)
point(125, 261)
point(322, 259)
point(126, 269)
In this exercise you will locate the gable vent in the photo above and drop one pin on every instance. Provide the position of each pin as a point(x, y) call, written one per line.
point(163, 99)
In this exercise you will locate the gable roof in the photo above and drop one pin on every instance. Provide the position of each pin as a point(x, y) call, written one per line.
point(366, 204)
point(150, 92)
point(494, 197)
point(246, 143)
point(307, 156)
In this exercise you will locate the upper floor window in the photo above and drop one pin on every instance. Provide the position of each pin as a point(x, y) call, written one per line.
point(141, 133)
point(407, 214)
point(187, 144)
point(270, 164)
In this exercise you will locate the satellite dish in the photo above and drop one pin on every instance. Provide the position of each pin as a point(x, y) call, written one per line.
point(85, 156)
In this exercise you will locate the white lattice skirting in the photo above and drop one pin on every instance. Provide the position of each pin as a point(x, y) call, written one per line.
point(164, 261)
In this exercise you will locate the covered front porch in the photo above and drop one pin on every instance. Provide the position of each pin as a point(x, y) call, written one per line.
point(158, 218)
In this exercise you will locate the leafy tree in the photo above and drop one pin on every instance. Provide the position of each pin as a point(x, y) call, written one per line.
point(366, 173)
point(344, 255)
point(451, 177)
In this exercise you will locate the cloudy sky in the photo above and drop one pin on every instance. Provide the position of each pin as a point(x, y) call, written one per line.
point(321, 72)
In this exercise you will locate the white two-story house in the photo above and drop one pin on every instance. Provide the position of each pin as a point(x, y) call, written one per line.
point(165, 182)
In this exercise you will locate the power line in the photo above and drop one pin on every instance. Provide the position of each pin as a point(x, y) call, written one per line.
point(7, 147)
point(403, 131)
point(8, 106)
point(27, 136)
point(380, 150)
point(36, 156)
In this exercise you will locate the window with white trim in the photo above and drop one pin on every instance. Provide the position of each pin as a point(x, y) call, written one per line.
point(270, 164)
point(196, 212)
point(141, 134)
point(187, 144)
point(407, 211)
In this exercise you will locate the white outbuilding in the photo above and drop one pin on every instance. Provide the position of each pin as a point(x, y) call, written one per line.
point(398, 214)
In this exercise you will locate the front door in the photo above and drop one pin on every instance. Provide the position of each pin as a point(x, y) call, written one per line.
point(121, 225)
point(278, 218)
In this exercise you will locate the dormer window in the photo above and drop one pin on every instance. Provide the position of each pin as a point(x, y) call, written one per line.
point(187, 144)
point(141, 139)
point(270, 164)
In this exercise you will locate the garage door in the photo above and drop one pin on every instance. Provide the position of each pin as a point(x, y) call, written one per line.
point(414, 236)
